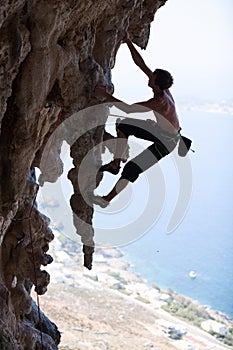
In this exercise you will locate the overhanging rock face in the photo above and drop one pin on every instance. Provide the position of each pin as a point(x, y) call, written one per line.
point(52, 56)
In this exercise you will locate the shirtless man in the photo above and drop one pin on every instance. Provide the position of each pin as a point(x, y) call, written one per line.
point(163, 132)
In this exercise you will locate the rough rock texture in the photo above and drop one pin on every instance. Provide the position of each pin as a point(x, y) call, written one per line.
point(52, 55)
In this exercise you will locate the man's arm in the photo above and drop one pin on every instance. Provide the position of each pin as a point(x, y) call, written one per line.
point(138, 60)
point(139, 107)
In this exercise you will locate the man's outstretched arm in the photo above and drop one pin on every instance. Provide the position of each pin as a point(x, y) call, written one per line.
point(138, 107)
point(138, 60)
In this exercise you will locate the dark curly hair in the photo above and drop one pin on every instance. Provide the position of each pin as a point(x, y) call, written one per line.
point(163, 79)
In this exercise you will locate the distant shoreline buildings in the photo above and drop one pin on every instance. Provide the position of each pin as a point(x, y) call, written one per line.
point(221, 107)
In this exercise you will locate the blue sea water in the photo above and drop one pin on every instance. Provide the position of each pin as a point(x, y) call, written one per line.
point(203, 242)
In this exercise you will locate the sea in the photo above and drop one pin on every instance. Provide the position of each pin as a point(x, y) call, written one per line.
point(203, 241)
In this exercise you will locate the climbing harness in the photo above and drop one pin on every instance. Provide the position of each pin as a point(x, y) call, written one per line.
point(184, 142)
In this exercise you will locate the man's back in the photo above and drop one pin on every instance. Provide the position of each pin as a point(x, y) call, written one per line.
point(164, 109)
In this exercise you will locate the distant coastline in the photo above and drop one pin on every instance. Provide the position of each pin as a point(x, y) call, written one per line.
point(131, 268)
point(130, 282)
point(113, 272)
point(210, 308)
point(222, 107)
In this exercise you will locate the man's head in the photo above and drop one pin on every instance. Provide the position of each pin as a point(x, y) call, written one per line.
point(162, 79)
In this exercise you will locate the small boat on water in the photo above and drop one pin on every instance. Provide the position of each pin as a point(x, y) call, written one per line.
point(192, 274)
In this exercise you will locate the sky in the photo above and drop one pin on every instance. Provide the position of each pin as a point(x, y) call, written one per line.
point(193, 40)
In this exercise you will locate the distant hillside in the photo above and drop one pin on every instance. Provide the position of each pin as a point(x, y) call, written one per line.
point(112, 308)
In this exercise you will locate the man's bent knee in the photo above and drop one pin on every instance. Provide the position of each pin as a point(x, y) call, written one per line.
point(131, 171)
point(123, 128)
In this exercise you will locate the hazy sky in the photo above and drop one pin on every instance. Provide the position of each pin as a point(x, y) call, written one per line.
point(193, 40)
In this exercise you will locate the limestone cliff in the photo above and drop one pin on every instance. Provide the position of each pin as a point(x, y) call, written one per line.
point(52, 55)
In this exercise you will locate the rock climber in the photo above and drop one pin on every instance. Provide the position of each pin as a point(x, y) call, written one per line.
point(163, 131)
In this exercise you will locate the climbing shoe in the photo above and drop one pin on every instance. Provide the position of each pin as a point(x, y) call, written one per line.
point(109, 167)
point(100, 201)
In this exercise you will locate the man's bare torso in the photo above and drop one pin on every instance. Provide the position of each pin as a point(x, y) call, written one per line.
point(165, 112)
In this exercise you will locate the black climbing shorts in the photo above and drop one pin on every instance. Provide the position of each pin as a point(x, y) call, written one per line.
point(163, 144)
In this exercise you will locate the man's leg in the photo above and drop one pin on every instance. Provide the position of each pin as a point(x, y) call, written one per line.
point(139, 128)
point(133, 169)
point(140, 163)
point(105, 200)
point(120, 153)
point(120, 185)
point(130, 173)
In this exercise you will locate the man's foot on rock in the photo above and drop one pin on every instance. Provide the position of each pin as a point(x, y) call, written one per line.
point(100, 201)
point(111, 168)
